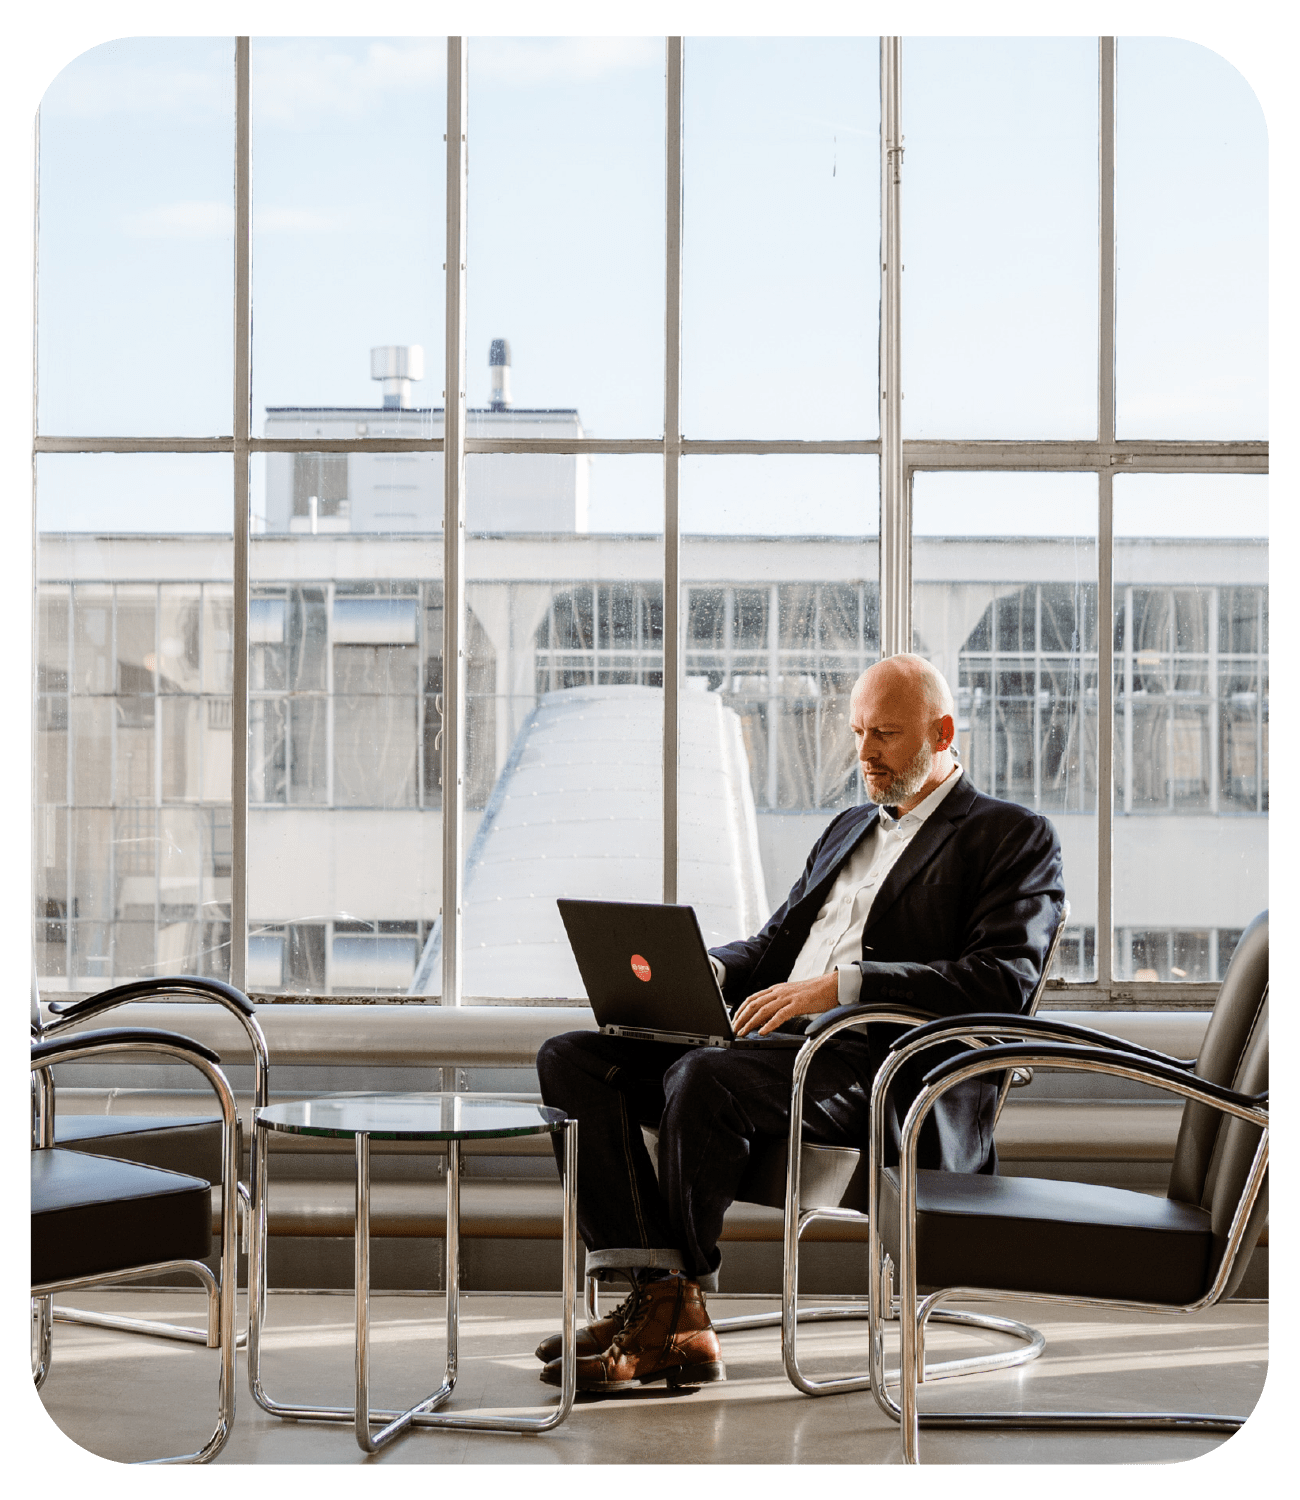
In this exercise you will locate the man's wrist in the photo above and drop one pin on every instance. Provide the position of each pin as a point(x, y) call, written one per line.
point(849, 980)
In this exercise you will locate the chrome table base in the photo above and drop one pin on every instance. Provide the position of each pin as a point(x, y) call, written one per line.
point(424, 1413)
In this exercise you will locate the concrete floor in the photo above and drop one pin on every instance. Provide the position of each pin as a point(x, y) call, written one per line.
point(127, 1397)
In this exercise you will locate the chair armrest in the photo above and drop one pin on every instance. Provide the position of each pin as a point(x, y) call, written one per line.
point(68, 1013)
point(1097, 1059)
point(148, 1039)
point(147, 989)
point(863, 1012)
point(118, 1039)
point(999, 1024)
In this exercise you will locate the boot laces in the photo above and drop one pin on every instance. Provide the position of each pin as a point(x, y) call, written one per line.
point(638, 1313)
point(627, 1306)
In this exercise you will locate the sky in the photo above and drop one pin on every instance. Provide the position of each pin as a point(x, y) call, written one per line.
point(780, 295)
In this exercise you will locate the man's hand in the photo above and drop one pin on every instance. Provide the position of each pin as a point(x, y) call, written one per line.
point(767, 1009)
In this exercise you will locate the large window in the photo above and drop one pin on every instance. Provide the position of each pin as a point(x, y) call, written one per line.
point(475, 472)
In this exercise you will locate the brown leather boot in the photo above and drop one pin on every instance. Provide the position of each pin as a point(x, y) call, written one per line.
point(595, 1337)
point(667, 1336)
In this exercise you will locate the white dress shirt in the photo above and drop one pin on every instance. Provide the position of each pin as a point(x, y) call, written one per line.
point(835, 940)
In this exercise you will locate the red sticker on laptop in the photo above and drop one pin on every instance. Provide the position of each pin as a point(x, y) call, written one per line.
point(640, 968)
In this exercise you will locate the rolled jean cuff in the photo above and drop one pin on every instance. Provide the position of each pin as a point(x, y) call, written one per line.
point(603, 1263)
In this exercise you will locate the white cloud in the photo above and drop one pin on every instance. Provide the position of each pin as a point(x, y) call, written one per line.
point(198, 220)
point(186, 220)
point(301, 84)
point(298, 83)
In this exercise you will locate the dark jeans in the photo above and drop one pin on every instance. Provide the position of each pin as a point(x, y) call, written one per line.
point(709, 1103)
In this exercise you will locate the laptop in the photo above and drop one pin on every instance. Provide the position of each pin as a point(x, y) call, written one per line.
point(648, 975)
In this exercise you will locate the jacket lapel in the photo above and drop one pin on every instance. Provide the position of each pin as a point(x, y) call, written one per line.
point(932, 835)
point(832, 860)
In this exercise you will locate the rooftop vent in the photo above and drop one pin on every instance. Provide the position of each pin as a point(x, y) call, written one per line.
point(397, 365)
point(499, 369)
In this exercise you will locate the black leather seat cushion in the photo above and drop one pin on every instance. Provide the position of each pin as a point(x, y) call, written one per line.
point(1027, 1234)
point(189, 1144)
point(93, 1214)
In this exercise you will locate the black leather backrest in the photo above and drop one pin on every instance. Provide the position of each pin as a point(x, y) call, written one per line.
point(1234, 1153)
point(1235, 1011)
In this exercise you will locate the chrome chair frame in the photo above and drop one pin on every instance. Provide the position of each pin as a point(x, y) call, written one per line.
point(796, 1222)
point(1120, 1060)
point(221, 1291)
point(66, 1014)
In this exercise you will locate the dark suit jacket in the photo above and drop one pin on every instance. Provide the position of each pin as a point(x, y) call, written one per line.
point(963, 922)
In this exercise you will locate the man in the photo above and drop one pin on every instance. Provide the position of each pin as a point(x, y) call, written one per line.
point(932, 895)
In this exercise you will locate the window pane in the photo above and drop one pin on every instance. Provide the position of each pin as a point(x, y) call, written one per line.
point(1000, 264)
point(566, 238)
point(136, 276)
point(563, 715)
point(1191, 720)
point(1191, 346)
point(1005, 605)
point(345, 660)
point(348, 225)
point(133, 840)
point(780, 296)
point(777, 624)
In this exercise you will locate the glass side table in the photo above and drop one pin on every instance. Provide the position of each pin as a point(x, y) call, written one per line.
point(410, 1117)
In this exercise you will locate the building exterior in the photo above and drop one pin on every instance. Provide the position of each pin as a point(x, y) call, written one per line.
point(134, 714)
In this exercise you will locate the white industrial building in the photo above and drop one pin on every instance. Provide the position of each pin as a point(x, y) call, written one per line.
point(564, 635)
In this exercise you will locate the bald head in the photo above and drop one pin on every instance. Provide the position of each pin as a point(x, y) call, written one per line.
point(903, 726)
point(913, 675)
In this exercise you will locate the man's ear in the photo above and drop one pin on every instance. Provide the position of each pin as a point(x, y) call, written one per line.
point(947, 732)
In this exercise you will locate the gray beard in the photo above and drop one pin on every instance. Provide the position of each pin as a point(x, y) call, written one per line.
point(906, 783)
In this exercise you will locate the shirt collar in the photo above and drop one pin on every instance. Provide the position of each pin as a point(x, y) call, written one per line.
point(913, 820)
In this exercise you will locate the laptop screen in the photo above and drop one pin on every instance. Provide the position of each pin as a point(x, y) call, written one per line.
point(645, 965)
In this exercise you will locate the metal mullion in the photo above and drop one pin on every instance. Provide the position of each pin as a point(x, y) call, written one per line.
point(728, 635)
point(453, 614)
point(111, 894)
point(818, 758)
point(1036, 717)
point(773, 699)
point(157, 769)
point(1214, 711)
point(69, 843)
point(330, 701)
point(919, 453)
point(242, 417)
point(33, 613)
point(895, 481)
point(1106, 241)
point(1261, 666)
point(995, 688)
point(763, 446)
point(1103, 945)
point(1055, 456)
point(1104, 941)
point(345, 445)
point(672, 449)
point(87, 443)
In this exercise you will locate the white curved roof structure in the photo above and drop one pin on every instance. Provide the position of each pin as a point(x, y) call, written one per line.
point(576, 811)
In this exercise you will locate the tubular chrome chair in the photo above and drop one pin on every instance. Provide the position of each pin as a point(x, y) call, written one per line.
point(831, 1182)
point(1078, 1243)
point(97, 1220)
point(188, 1144)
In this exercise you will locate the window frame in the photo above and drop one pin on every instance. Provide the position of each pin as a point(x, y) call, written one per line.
point(900, 459)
